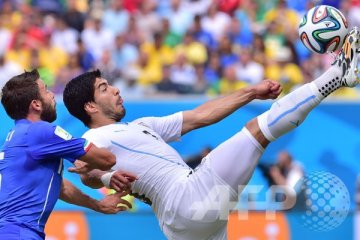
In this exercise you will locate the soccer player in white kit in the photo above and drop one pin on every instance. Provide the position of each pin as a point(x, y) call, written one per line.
point(177, 194)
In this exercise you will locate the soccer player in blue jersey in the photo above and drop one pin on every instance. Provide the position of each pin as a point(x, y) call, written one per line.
point(31, 162)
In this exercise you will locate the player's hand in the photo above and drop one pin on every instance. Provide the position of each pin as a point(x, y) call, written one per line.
point(267, 89)
point(121, 181)
point(110, 203)
point(80, 167)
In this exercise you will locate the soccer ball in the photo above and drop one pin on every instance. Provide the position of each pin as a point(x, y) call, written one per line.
point(323, 29)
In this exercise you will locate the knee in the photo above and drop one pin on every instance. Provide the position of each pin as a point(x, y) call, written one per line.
point(254, 129)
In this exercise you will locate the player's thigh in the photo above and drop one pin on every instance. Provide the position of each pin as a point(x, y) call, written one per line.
point(235, 160)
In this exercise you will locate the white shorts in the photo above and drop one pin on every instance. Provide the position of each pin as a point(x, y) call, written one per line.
point(196, 210)
point(198, 205)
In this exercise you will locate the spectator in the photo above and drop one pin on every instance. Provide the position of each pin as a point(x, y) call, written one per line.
point(64, 37)
point(48, 6)
point(194, 51)
point(19, 53)
point(288, 172)
point(166, 85)
point(97, 39)
point(228, 83)
point(247, 69)
point(238, 35)
point(158, 53)
point(46, 74)
point(73, 17)
point(8, 69)
point(68, 72)
point(11, 17)
point(201, 83)
point(213, 70)
point(227, 57)
point(284, 70)
point(124, 54)
point(183, 75)
point(87, 60)
point(52, 57)
point(108, 67)
point(148, 21)
point(258, 47)
point(5, 37)
point(115, 18)
point(201, 35)
point(171, 39)
point(215, 22)
point(147, 72)
point(284, 17)
point(134, 35)
point(179, 17)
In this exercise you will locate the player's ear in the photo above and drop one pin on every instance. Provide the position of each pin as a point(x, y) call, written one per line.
point(90, 107)
point(35, 104)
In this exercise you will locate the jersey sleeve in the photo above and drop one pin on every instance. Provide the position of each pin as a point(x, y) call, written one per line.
point(168, 127)
point(47, 141)
point(97, 138)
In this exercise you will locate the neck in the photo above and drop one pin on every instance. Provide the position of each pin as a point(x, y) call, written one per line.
point(100, 122)
point(33, 117)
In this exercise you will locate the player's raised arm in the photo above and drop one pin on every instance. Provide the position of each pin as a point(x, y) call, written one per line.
point(219, 108)
point(108, 205)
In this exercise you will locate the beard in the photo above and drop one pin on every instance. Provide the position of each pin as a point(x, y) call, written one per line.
point(49, 112)
point(116, 116)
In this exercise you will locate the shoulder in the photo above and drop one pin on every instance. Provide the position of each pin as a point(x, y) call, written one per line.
point(48, 130)
point(41, 128)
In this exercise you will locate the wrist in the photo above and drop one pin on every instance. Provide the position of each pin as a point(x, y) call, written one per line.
point(251, 92)
point(106, 178)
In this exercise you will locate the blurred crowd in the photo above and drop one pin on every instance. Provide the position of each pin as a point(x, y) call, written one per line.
point(148, 47)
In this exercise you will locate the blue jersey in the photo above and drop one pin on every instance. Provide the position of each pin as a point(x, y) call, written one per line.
point(31, 165)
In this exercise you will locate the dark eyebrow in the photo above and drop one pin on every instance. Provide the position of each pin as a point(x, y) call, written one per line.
point(102, 84)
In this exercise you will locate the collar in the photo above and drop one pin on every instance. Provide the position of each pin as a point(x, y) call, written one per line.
point(22, 121)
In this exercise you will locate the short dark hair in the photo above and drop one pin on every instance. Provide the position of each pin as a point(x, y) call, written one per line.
point(18, 93)
point(78, 92)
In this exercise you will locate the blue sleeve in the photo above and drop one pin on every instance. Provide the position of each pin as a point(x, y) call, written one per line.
point(46, 141)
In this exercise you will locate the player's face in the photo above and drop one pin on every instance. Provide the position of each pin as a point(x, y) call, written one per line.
point(108, 100)
point(48, 103)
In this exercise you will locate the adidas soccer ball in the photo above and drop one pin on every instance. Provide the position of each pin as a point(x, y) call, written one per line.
point(323, 29)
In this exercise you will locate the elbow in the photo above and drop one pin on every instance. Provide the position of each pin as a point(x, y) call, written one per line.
point(85, 180)
point(109, 162)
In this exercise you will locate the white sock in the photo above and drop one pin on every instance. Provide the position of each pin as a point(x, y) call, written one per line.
point(291, 110)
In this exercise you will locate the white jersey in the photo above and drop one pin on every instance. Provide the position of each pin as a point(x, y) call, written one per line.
point(182, 199)
point(141, 148)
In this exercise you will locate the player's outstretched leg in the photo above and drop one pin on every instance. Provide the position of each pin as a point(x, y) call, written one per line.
point(290, 111)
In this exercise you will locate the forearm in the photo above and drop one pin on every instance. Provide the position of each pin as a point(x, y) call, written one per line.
point(217, 109)
point(93, 178)
point(71, 194)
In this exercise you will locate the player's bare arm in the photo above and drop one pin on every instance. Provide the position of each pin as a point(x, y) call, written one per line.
point(99, 158)
point(219, 108)
point(118, 180)
point(108, 205)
